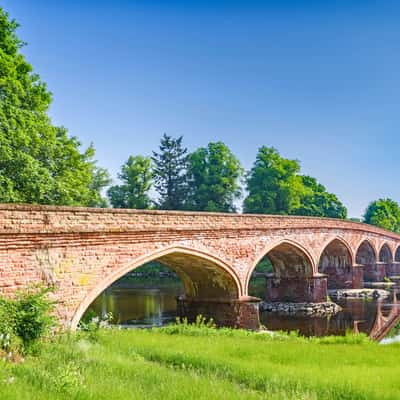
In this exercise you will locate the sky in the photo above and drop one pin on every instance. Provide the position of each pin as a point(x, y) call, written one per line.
point(318, 80)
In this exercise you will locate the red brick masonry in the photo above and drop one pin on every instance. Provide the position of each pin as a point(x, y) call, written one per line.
point(83, 250)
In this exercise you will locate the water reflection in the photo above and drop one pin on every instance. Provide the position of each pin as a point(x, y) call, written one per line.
point(154, 307)
point(138, 306)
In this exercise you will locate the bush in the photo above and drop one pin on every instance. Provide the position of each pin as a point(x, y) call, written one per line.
point(25, 319)
point(92, 323)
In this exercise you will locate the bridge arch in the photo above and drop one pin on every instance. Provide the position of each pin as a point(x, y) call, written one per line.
point(367, 256)
point(385, 254)
point(366, 253)
point(204, 276)
point(397, 254)
point(336, 261)
point(288, 258)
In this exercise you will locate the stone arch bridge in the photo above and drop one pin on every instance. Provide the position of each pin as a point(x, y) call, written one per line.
point(84, 250)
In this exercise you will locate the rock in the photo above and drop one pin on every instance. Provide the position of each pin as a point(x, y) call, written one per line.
point(301, 309)
point(359, 293)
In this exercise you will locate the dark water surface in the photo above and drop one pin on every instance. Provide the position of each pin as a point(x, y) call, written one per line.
point(145, 307)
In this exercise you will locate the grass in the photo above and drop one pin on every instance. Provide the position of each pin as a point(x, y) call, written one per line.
point(201, 363)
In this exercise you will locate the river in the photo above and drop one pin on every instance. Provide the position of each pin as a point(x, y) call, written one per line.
point(135, 306)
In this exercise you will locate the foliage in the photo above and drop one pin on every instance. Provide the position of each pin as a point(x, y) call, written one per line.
point(316, 201)
point(170, 179)
point(214, 174)
point(201, 326)
point(275, 186)
point(384, 213)
point(26, 317)
point(91, 323)
point(136, 177)
point(39, 162)
point(272, 183)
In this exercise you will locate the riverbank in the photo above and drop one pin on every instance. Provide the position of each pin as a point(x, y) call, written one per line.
point(185, 363)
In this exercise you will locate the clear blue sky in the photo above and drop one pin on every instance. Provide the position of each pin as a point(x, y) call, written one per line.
point(319, 80)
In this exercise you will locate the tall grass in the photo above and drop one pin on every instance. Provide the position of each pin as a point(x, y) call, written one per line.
point(207, 364)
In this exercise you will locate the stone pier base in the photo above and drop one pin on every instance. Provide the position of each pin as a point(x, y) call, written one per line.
point(242, 313)
point(297, 290)
point(393, 268)
point(375, 272)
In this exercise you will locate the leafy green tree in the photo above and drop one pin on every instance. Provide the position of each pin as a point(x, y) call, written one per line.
point(384, 213)
point(136, 176)
point(39, 162)
point(316, 201)
point(214, 174)
point(170, 179)
point(275, 186)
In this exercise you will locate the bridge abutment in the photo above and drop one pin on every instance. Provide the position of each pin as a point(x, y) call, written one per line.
point(241, 313)
point(312, 289)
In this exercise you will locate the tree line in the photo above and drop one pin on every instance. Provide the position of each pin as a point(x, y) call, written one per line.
point(212, 179)
point(40, 163)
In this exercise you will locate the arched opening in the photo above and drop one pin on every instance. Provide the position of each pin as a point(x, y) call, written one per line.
point(366, 257)
point(290, 261)
point(146, 292)
point(397, 255)
point(289, 275)
point(385, 255)
point(336, 263)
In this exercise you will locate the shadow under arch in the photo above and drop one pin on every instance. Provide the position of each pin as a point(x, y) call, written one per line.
point(281, 248)
point(385, 254)
point(204, 277)
point(336, 261)
point(366, 253)
point(397, 254)
point(367, 257)
point(294, 277)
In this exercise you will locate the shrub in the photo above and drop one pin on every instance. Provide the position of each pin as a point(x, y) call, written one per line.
point(92, 323)
point(25, 319)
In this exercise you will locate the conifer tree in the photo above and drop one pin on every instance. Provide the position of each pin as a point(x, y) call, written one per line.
point(169, 174)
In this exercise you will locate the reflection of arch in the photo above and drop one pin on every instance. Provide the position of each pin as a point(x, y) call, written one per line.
point(204, 276)
point(385, 254)
point(288, 259)
point(366, 254)
point(336, 262)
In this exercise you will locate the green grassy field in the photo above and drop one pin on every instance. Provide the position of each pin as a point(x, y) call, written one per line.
point(204, 364)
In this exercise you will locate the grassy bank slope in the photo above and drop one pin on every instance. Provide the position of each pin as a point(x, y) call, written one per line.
point(160, 365)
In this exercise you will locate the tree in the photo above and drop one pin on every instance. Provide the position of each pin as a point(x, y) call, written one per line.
point(316, 201)
point(136, 176)
point(213, 174)
point(384, 213)
point(273, 184)
point(39, 162)
point(170, 179)
point(276, 187)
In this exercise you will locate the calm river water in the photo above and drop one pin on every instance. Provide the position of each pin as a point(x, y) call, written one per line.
point(144, 307)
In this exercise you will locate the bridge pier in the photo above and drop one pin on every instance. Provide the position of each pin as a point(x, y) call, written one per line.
point(393, 268)
point(234, 313)
point(350, 277)
point(312, 289)
point(357, 277)
point(375, 272)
